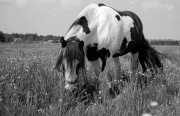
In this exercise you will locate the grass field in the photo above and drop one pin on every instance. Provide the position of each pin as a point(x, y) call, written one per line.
point(29, 86)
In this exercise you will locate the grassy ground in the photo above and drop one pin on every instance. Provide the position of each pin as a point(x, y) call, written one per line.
point(30, 86)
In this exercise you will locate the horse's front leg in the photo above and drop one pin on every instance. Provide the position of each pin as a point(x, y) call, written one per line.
point(104, 85)
point(96, 66)
point(104, 81)
point(102, 77)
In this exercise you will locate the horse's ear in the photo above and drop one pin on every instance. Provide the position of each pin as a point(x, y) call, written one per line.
point(63, 42)
point(81, 44)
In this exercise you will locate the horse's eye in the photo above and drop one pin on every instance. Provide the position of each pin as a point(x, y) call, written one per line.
point(78, 67)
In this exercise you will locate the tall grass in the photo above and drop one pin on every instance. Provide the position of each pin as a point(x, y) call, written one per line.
point(30, 86)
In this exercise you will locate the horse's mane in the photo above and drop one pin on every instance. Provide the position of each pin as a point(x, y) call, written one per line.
point(88, 12)
point(71, 52)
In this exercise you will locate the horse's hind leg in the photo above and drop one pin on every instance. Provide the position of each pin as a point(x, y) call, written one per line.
point(134, 63)
point(114, 82)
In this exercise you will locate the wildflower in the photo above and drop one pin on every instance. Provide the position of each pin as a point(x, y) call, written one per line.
point(2, 77)
point(50, 107)
point(15, 87)
point(41, 110)
point(153, 104)
point(60, 100)
point(146, 114)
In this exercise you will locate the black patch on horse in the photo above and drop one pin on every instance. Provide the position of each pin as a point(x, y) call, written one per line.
point(101, 4)
point(104, 54)
point(133, 45)
point(118, 17)
point(83, 22)
point(124, 49)
point(93, 54)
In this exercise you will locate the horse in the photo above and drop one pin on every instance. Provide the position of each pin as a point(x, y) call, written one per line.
point(101, 33)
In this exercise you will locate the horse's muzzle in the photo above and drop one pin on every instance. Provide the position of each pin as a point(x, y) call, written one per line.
point(72, 82)
point(71, 85)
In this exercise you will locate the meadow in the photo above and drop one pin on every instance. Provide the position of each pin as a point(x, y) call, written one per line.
point(29, 86)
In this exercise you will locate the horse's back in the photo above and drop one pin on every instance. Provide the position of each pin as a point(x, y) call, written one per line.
point(108, 26)
point(113, 27)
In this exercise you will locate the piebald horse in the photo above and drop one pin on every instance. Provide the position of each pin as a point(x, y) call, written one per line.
point(101, 32)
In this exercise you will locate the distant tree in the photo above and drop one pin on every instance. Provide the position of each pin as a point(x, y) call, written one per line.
point(2, 37)
point(6, 37)
point(41, 37)
point(164, 42)
point(30, 38)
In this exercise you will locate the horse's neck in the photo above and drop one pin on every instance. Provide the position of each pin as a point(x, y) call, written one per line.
point(72, 32)
point(77, 30)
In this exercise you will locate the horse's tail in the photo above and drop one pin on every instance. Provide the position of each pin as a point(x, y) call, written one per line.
point(148, 56)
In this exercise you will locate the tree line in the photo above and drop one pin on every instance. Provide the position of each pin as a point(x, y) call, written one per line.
point(164, 42)
point(29, 37)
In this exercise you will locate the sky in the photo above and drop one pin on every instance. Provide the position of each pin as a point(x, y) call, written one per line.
point(160, 18)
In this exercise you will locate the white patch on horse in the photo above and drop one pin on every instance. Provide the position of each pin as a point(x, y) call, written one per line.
point(128, 24)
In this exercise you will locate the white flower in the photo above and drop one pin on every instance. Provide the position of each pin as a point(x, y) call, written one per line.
point(60, 100)
point(153, 103)
point(146, 114)
point(18, 77)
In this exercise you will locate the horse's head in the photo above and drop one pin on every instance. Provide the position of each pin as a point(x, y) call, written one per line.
point(70, 61)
